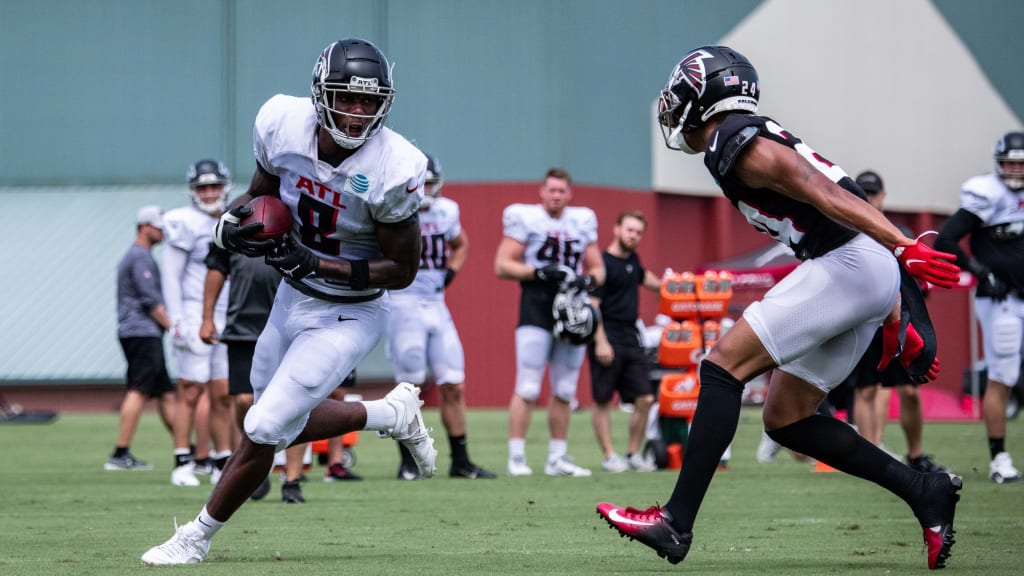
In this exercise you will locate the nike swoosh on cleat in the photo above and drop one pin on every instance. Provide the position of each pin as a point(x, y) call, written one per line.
point(614, 515)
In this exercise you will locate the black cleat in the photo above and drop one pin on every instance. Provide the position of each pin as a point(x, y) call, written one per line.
point(924, 463)
point(262, 490)
point(291, 493)
point(470, 471)
point(935, 512)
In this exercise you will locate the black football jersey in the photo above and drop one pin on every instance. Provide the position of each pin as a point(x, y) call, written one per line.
point(799, 225)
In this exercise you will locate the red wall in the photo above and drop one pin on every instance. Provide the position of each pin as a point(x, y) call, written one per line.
point(683, 232)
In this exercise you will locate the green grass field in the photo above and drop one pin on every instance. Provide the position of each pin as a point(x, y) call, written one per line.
point(63, 514)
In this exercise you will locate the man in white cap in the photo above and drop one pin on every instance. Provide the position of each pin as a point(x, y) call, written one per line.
point(141, 322)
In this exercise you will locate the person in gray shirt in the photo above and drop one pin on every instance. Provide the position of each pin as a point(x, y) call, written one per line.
point(141, 322)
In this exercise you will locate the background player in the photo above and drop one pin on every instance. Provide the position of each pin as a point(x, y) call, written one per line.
point(421, 331)
point(992, 214)
point(202, 368)
point(539, 240)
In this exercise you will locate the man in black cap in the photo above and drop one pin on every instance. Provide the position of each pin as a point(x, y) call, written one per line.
point(871, 397)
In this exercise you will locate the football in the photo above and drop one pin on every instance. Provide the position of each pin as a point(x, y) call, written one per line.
point(273, 214)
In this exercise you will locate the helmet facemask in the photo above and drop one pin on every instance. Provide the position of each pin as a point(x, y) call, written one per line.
point(209, 173)
point(1009, 157)
point(325, 96)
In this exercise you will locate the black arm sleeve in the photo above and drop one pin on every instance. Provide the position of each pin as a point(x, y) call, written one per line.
point(218, 259)
point(956, 228)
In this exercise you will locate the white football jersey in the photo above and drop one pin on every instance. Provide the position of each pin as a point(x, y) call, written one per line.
point(190, 230)
point(439, 224)
point(988, 198)
point(551, 240)
point(336, 208)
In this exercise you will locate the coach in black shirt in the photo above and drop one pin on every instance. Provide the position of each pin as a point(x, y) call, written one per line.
point(617, 358)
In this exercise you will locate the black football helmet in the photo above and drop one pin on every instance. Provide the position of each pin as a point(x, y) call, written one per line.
point(1009, 157)
point(357, 67)
point(205, 173)
point(575, 317)
point(435, 179)
point(709, 80)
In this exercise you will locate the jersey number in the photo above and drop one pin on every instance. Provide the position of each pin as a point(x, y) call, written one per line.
point(318, 221)
point(433, 252)
point(560, 252)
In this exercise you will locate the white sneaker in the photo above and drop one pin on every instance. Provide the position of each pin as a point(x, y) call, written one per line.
point(614, 464)
point(410, 429)
point(638, 463)
point(215, 475)
point(184, 475)
point(1001, 469)
point(564, 467)
point(517, 466)
point(187, 546)
point(767, 449)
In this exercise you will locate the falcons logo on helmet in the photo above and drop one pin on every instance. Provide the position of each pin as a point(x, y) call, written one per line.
point(692, 70)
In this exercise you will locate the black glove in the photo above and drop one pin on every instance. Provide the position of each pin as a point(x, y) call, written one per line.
point(229, 235)
point(550, 274)
point(989, 285)
point(293, 259)
point(449, 275)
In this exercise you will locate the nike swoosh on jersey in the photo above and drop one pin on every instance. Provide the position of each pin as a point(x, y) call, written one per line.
point(342, 319)
point(714, 143)
point(411, 190)
point(614, 515)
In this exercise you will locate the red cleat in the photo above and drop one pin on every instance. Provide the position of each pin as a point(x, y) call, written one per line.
point(937, 517)
point(652, 527)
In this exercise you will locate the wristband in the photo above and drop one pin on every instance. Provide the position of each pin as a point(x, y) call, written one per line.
point(359, 279)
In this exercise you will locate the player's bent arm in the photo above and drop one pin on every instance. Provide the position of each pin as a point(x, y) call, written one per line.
point(768, 164)
point(395, 269)
point(959, 225)
point(508, 263)
point(459, 251)
point(211, 291)
point(651, 281)
point(593, 264)
point(159, 314)
point(263, 183)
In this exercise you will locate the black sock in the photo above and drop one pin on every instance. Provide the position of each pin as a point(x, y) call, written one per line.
point(714, 425)
point(837, 444)
point(182, 459)
point(996, 445)
point(120, 451)
point(460, 455)
point(219, 463)
point(407, 460)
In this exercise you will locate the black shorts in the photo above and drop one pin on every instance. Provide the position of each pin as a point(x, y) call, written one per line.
point(147, 368)
point(240, 366)
point(629, 374)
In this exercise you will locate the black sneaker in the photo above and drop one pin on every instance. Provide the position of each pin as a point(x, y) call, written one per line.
point(935, 512)
point(652, 527)
point(925, 464)
point(291, 493)
point(407, 472)
point(471, 471)
point(337, 472)
point(126, 462)
point(262, 490)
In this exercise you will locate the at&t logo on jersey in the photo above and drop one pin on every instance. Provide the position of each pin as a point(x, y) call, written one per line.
point(358, 183)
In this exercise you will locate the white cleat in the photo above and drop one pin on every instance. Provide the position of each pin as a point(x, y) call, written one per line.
point(410, 429)
point(564, 467)
point(187, 546)
point(184, 475)
point(517, 467)
point(639, 463)
point(1001, 469)
point(614, 464)
point(767, 449)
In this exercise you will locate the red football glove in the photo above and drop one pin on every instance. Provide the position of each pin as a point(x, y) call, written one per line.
point(913, 345)
point(928, 264)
